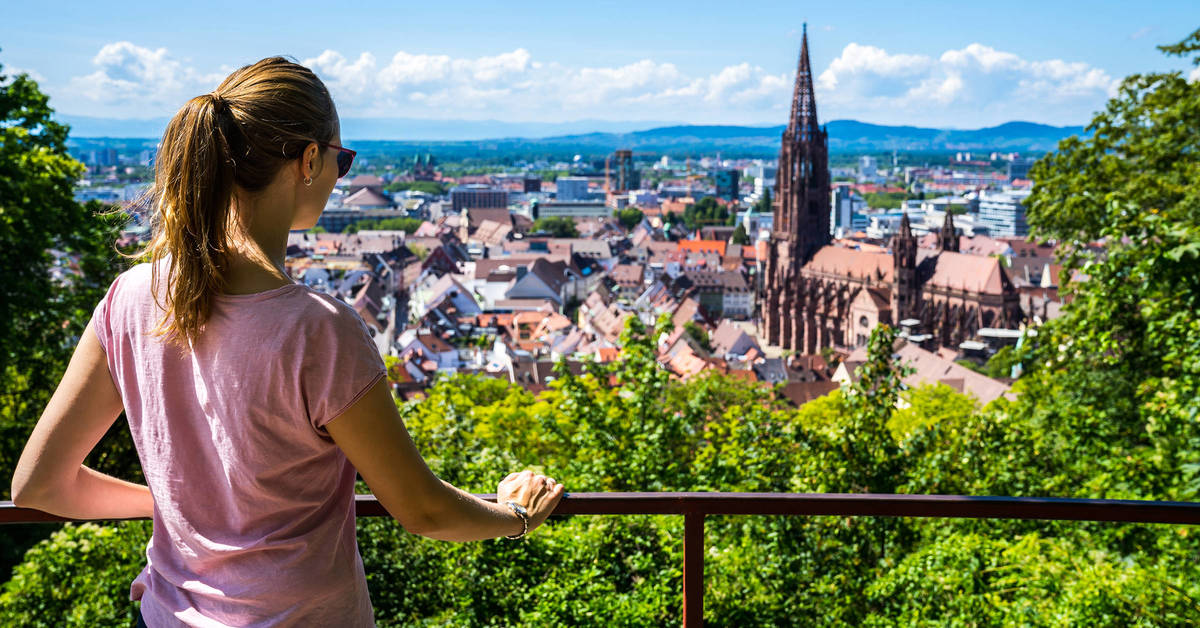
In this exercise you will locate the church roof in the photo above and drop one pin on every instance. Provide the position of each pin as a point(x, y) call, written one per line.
point(367, 197)
point(974, 273)
point(837, 260)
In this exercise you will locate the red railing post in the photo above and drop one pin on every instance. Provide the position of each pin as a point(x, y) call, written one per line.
point(693, 570)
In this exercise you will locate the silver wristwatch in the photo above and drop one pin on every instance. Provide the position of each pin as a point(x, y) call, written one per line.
point(520, 512)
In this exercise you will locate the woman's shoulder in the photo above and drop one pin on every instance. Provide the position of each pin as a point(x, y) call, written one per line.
point(327, 311)
point(134, 279)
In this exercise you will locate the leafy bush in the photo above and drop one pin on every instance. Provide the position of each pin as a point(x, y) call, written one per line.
point(80, 576)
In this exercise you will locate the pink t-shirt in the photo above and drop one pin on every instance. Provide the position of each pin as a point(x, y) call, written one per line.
point(253, 502)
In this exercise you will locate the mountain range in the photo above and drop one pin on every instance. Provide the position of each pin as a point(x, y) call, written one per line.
point(490, 138)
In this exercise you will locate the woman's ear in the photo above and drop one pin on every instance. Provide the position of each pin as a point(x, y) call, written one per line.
point(310, 167)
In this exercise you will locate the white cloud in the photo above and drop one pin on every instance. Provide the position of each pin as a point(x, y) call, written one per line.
point(354, 77)
point(11, 72)
point(514, 85)
point(972, 86)
point(129, 75)
point(1141, 32)
point(1194, 75)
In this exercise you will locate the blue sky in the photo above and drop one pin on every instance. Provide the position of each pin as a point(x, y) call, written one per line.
point(946, 64)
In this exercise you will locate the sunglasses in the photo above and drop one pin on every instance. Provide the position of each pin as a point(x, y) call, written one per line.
point(345, 158)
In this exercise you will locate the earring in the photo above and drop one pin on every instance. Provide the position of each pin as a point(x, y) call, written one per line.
point(307, 180)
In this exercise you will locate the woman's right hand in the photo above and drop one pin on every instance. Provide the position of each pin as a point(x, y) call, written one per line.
point(537, 493)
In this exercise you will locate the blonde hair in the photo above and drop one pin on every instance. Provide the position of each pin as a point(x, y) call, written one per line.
point(238, 136)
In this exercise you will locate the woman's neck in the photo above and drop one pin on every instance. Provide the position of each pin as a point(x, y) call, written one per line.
point(255, 262)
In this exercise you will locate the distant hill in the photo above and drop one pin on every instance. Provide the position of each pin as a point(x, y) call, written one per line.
point(844, 136)
point(401, 129)
point(457, 138)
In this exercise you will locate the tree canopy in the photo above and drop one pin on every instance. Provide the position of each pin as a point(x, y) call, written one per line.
point(57, 259)
point(556, 226)
point(629, 217)
point(407, 225)
point(707, 212)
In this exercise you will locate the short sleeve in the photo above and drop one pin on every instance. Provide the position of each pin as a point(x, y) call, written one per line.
point(100, 317)
point(341, 364)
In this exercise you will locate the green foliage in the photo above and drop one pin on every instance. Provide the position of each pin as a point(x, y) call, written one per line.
point(628, 425)
point(739, 236)
point(80, 576)
point(556, 226)
point(1117, 376)
point(928, 405)
point(1028, 580)
point(763, 206)
point(886, 200)
point(698, 333)
point(1002, 363)
point(629, 217)
point(41, 319)
point(407, 225)
point(705, 212)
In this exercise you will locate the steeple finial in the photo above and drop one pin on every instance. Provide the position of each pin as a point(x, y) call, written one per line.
point(905, 227)
point(803, 121)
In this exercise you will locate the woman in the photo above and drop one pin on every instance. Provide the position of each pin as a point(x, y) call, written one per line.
point(252, 399)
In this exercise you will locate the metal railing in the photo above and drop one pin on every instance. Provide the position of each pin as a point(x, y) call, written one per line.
point(694, 507)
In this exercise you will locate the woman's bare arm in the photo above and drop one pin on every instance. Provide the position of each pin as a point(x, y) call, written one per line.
point(50, 475)
point(374, 438)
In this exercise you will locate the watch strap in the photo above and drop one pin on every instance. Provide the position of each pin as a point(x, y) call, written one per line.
point(519, 511)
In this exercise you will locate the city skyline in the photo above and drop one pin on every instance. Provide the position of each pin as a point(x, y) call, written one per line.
point(680, 63)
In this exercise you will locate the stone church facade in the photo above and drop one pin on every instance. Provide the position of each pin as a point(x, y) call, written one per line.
point(816, 294)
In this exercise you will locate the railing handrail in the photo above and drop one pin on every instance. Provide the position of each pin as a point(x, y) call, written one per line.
point(811, 504)
point(695, 506)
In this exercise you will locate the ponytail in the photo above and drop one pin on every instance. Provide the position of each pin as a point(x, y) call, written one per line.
point(235, 138)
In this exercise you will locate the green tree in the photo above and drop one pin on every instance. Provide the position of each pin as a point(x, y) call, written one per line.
point(1117, 376)
point(763, 206)
point(407, 225)
point(698, 333)
point(556, 226)
point(886, 200)
point(41, 317)
point(707, 211)
point(629, 217)
point(739, 235)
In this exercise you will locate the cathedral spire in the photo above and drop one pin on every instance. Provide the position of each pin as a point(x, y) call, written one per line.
point(948, 237)
point(803, 121)
point(905, 227)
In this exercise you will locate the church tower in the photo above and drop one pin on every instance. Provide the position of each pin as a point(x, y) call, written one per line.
point(801, 208)
point(906, 292)
point(948, 236)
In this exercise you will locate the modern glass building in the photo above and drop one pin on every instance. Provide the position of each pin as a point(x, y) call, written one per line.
point(1002, 214)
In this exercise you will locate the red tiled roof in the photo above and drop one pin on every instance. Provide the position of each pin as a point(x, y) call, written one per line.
point(841, 261)
point(973, 273)
point(703, 246)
